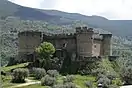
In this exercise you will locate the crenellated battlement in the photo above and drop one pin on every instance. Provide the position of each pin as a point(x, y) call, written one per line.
point(64, 34)
point(58, 36)
point(84, 30)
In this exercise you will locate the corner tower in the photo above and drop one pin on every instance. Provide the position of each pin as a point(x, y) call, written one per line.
point(84, 41)
point(106, 45)
point(28, 41)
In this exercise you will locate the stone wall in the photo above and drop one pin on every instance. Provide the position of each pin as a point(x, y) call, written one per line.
point(28, 41)
point(96, 48)
point(84, 41)
point(68, 43)
point(106, 45)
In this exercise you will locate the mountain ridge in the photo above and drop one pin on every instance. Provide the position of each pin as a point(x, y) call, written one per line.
point(117, 27)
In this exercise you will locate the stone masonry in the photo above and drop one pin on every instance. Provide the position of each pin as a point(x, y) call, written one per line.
point(83, 43)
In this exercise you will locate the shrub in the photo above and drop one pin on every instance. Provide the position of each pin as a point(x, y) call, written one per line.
point(117, 81)
point(68, 78)
point(104, 81)
point(111, 75)
point(48, 81)
point(19, 75)
point(100, 76)
point(69, 85)
point(97, 71)
point(3, 78)
point(53, 73)
point(87, 68)
point(126, 74)
point(56, 63)
point(3, 73)
point(89, 84)
point(39, 73)
point(58, 86)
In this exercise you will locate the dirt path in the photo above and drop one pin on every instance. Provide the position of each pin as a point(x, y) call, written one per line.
point(29, 82)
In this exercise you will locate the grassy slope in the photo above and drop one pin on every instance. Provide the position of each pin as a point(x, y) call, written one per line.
point(115, 66)
point(6, 79)
point(9, 68)
point(107, 65)
point(34, 86)
point(6, 83)
point(79, 80)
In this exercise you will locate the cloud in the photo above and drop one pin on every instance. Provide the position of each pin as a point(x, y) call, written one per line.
point(28, 3)
point(48, 4)
point(112, 9)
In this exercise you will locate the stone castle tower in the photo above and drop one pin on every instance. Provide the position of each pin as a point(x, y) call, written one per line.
point(84, 41)
point(106, 45)
point(28, 41)
point(90, 44)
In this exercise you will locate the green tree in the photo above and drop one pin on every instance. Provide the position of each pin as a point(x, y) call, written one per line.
point(45, 52)
point(126, 74)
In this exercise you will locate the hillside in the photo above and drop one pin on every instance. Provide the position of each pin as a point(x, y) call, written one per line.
point(117, 27)
point(14, 18)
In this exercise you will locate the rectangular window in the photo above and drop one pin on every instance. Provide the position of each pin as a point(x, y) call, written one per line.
point(95, 46)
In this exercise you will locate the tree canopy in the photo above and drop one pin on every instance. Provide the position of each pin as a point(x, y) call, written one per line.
point(45, 50)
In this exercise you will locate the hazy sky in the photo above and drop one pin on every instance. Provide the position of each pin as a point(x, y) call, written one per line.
point(111, 9)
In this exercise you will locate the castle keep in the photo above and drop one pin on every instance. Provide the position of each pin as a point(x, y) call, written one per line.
point(83, 43)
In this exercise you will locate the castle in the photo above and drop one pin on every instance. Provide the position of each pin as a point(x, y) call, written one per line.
point(83, 43)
